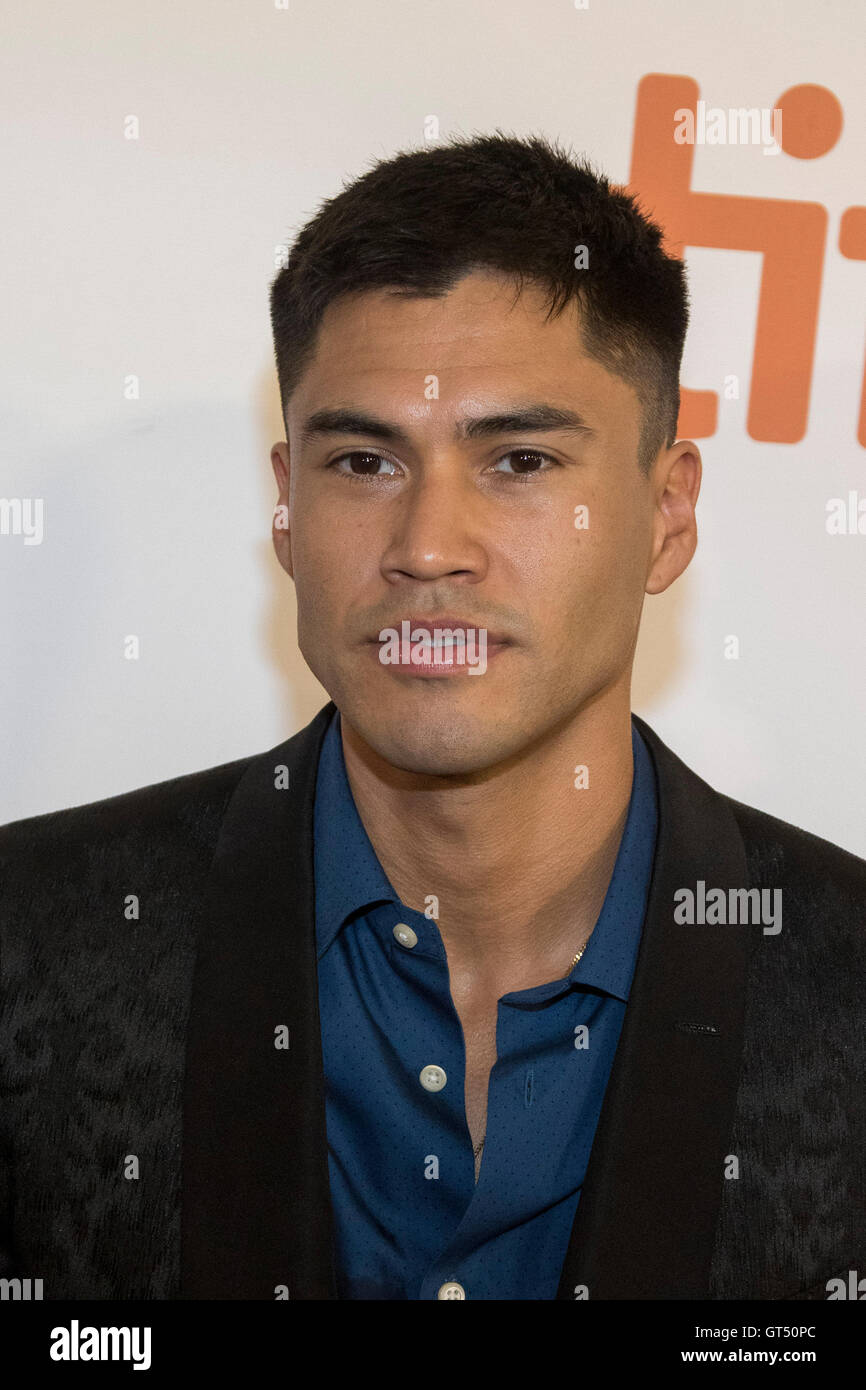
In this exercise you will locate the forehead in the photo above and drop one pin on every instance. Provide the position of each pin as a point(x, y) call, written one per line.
point(482, 340)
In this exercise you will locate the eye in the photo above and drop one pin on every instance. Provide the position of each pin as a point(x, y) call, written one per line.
point(369, 460)
point(533, 455)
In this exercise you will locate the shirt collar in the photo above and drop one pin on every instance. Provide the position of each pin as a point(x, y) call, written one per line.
point(350, 879)
point(609, 959)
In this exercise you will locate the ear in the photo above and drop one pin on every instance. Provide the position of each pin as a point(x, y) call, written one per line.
point(282, 536)
point(677, 482)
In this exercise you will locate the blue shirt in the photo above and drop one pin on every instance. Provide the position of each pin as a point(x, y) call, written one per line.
point(409, 1216)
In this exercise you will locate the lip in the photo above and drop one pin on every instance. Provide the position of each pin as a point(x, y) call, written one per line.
point(494, 639)
point(446, 663)
point(441, 670)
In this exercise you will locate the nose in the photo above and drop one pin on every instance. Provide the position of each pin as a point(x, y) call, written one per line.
point(437, 528)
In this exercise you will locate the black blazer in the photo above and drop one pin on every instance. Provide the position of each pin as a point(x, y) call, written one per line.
point(156, 1143)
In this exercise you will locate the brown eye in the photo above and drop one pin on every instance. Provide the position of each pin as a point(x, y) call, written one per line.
point(368, 460)
point(522, 456)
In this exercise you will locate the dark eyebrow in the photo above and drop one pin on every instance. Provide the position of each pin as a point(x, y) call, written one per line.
point(518, 420)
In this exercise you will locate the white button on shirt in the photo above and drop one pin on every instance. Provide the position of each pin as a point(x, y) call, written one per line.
point(432, 1078)
point(451, 1290)
point(405, 935)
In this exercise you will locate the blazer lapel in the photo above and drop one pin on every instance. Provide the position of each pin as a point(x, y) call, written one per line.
point(256, 1211)
point(646, 1219)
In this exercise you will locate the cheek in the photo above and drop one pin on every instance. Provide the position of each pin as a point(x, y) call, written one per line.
point(615, 541)
point(330, 539)
point(593, 577)
point(319, 552)
point(319, 596)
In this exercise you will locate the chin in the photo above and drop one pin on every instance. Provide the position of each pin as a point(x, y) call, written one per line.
point(436, 742)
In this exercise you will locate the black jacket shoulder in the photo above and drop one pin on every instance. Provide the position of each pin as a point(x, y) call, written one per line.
point(190, 806)
point(779, 854)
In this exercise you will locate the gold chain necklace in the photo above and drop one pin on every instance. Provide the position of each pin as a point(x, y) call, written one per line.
point(480, 1145)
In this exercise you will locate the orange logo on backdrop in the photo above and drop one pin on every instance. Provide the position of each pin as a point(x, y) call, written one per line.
point(791, 236)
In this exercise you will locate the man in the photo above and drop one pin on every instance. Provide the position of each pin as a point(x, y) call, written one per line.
point(470, 989)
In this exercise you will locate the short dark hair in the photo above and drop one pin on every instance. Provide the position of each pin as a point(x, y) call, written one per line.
point(418, 222)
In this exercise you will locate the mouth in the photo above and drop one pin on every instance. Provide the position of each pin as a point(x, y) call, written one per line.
point(445, 647)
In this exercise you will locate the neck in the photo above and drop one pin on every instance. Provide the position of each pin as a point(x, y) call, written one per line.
point(520, 861)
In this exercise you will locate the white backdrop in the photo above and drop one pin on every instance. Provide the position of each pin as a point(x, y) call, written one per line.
point(152, 257)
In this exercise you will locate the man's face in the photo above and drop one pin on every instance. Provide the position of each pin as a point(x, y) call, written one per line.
point(440, 520)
